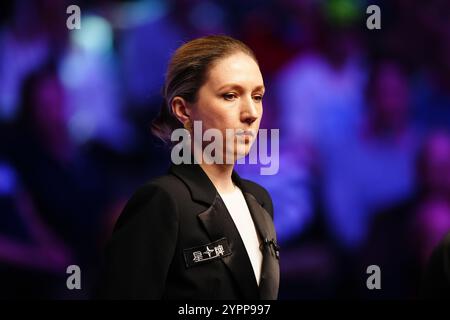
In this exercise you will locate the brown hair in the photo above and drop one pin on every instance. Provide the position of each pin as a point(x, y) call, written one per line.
point(187, 72)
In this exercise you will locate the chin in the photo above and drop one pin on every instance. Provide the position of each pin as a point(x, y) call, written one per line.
point(243, 153)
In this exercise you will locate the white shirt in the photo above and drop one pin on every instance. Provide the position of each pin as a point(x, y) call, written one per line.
point(238, 209)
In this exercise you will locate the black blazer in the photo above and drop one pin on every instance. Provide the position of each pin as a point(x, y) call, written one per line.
point(436, 278)
point(175, 239)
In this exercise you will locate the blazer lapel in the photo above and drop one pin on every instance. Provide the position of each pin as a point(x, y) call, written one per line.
point(270, 271)
point(218, 223)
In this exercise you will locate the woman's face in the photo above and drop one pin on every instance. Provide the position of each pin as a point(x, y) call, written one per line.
point(231, 98)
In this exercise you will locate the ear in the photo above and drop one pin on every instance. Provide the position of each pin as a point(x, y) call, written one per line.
point(180, 109)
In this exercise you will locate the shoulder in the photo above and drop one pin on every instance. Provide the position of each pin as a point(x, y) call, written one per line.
point(260, 193)
point(152, 197)
point(166, 185)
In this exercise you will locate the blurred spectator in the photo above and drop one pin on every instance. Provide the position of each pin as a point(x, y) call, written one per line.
point(404, 235)
point(33, 34)
point(375, 166)
point(62, 194)
point(432, 220)
point(89, 73)
point(32, 256)
point(321, 99)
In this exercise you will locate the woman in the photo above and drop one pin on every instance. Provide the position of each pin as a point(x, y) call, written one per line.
point(200, 232)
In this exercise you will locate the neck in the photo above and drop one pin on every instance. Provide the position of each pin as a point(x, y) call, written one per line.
point(220, 176)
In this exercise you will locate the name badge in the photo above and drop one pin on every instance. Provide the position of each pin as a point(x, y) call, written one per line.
point(207, 252)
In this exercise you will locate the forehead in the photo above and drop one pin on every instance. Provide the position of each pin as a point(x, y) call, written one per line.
point(238, 68)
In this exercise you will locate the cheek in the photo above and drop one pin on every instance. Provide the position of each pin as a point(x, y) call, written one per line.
point(217, 116)
point(260, 114)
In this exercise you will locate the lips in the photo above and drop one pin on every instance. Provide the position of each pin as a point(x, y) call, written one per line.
point(246, 133)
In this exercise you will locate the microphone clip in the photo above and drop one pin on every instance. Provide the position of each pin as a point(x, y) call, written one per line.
point(273, 246)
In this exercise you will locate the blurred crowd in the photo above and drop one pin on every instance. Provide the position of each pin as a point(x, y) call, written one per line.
point(364, 119)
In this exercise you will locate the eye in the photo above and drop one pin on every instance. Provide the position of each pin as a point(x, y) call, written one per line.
point(229, 96)
point(258, 98)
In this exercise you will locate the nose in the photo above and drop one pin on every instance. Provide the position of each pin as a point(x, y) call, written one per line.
point(249, 111)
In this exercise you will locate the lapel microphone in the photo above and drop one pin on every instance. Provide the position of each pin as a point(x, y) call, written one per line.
point(272, 245)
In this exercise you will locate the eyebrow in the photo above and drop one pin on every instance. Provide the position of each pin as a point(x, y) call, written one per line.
point(237, 86)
